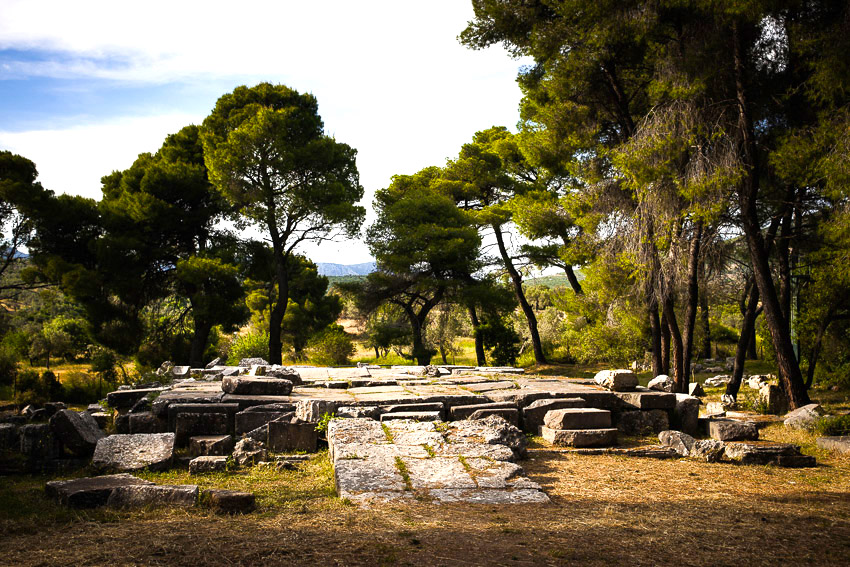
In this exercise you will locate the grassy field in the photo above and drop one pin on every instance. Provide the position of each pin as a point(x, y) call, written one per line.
point(605, 510)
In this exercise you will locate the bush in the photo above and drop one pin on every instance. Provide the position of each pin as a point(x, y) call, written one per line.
point(834, 426)
point(250, 345)
point(332, 347)
point(499, 335)
point(82, 388)
point(8, 366)
point(31, 389)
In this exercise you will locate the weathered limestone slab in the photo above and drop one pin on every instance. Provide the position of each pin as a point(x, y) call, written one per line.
point(617, 380)
point(142, 496)
point(249, 362)
point(373, 412)
point(533, 414)
point(490, 386)
point(647, 400)
point(661, 383)
point(491, 431)
point(245, 401)
point(414, 415)
point(431, 406)
point(199, 396)
point(579, 437)
point(286, 437)
point(230, 501)
point(134, 452)
point(207, 463)
point(685, 416)
point(145, 422)
point(709, 450)
point(465, 411)
point(731, 430)
point(779, 454)
point(839, 444)
point(511, 415)
point(248, 421)
point(211, 445)
point(90, 492)
point(37, 441)
point(313, 410)
point(77, 432)
point(125, 399)
point(520, 397)
point(249, 452)
point(227, 409)
point(804, 417)
point(578, 418)
point(643, 422)
point(243, 385)
point(195, 424)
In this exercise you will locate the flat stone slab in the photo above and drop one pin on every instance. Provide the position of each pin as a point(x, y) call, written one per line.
point(578, 418)
point(142, 496)
point(399, 460)
point(779, 454)
point(490, 386)
point(464, 412)
point(840, 444)
point(134, 452)
point(579, 437)
point(647, 400)
point(732, 430)
point(121, 399)
point(414, 415)
point(90, 492)
point(256, 386)
point(229, 501)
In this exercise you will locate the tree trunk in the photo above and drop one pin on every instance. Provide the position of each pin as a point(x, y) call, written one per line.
point(199, 343)
point(655, 331)
point(665, 345)
point(705, 348)
point(677, 347)
point(691, 310)
point(574, 283)
point(516, 278)
point(750, 314)
point(479, 340)
point(790, 376)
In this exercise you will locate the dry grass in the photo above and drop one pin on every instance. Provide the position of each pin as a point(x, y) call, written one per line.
point(605, 510)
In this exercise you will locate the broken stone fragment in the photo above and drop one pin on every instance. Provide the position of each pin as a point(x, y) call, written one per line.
point(617, 380)
point(77, 432)
point(134, 452)
point(695, 389)
point(661, 383)
point(90, 492)
point(313, 410)
point(804, 417)
point(216, 445)
point(840, 444)
point(731, 430)
point(229, 501)
point(779, 454)
point(207, 463)
point(686, 414)
point(248, 451)
point(249, 362)
point(140, 496)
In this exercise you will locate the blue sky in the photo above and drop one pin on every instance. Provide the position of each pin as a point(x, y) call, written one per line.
point(86, 86)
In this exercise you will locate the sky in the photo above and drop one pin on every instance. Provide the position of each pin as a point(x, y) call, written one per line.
point(86, 86)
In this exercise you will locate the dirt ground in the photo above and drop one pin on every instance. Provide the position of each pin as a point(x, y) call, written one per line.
point(604, 510)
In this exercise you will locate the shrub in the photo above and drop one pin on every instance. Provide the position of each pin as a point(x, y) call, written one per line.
point(833, 426)
point(250, 345)
point(31, 388)
point(82, 388)
point(331, 347)
point(8, 366)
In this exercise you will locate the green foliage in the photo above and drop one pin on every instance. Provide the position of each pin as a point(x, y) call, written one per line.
point(84, 388)
point(833, 426)
point(331, 347)
point(254, 344)
point(324, 421)
point(499, 335)
point(31, 389)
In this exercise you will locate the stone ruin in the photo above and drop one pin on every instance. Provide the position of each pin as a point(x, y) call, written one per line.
point(439, 433)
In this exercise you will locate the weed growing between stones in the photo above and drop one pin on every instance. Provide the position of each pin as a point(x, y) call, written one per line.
point(429, 450)
point(387, 433)
point(405, 475)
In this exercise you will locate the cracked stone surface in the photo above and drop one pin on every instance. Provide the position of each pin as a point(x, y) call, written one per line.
point(465, 461)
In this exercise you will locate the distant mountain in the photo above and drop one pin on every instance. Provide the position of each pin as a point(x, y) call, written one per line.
point(329, 269)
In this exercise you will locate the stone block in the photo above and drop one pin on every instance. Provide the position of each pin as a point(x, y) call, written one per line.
point(396, 408)
point(804, 417)
point(647, 400)
point(839, 444)
point(249, 452)
point(779, 454)
point(287, 437)
point(256, 386)
point(77, 432)
point(731, 430)
point(90, 492)
point(414, 415)
point(579, 437)
point(273, 407)
point(643, 422)
point(313, 410)
point(622, 380)
point(134, 452)
point(146, 496)
point(207, 463)
point(248, 421)
point(37, 441)
point(457, 413)
point(9, 439)
point(511, 415)
point(578, 418)
point(533, 414)
point(685, 415)
point(773, 399)
point(249, 362)
point(369, 412)
point(146, 422)
point(211, 445)
point(125, 399)
point(229, 501)
point(195, 424)
point(102, 419)
point(695, 389)
point(661, 383)
point(228, 409)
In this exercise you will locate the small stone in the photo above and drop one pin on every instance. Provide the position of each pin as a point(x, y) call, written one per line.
point(77, 432)
point(230, 501)
point(773, 399)
point(140, 496)
point(661, 383)
point(682, 443)
point(248, 451)
point(207, 463)
point(804, 417)
point(134, 452)
point(695, 389)
point(717, 381)
point(214, 362)
point(181, 371)
point(731, 430)
point(617, 380)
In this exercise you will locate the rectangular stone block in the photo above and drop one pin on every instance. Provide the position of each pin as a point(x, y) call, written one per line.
point(207, 463)
point(125, 399)
point(228, 409)
point(256, 386)
point(578, 418)
point(463, 412)
point(579, 437)
point(141, 496)
point(90, 492)
point(731, 430)
point(511, 415)
point(244, 402)
point(533, 414)
point(285, 437)
point(211, 445)
point(146, 422)
point(414, 415)
point(647, 400)
point(249, 421)
point(432, 406)
point(196, 424)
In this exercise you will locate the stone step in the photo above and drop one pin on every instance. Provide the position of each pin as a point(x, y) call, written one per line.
point(414, 415)
point(457, 413)
point(577, 418)
point(533, 414)
point(579, 437)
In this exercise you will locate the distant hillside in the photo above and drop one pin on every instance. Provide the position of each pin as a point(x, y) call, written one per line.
point(344, 279)
point(553, 280)
point(329, 269)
